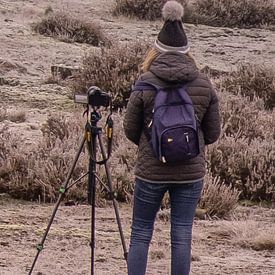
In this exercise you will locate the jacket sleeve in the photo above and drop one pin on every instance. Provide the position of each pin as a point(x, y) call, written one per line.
point(211, 125)
point(133, 120)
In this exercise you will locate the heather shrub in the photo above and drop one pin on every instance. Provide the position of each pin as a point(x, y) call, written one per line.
point(249, 166)
point(218, 199)
point(113, 70)
point(252, 81)
point(67, 28)
point(243, 118)
point(141, 9)
point(232, 13)
point(37, 172)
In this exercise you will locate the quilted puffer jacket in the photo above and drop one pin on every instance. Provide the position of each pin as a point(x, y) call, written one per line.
point(169, 69)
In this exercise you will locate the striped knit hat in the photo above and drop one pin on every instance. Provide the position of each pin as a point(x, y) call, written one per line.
point(172, 36)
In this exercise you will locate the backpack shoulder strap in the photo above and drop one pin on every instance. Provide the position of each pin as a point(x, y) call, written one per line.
point(184, 95)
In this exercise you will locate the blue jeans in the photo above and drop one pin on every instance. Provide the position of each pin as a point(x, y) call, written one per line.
point(147, 201)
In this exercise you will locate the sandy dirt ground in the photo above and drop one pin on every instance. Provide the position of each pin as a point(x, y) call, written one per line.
point(67, 249)
point(26, 59)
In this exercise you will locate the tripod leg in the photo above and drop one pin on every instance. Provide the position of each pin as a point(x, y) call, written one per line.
point(115, 203)
point(61, 195)
point(92, 195)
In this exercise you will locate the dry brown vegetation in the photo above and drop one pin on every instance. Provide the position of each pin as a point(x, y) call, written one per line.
point(228, 13)
point(232, 13)
point(114, 70)
point(243, 158)
point(141, 9)
point(36, 173)
point(218, 199)
point(246, 235)
point(16, 116)
point(247, 165)
point(253, 82)
point(239, 115)
point(33, 164)
point(67, 28)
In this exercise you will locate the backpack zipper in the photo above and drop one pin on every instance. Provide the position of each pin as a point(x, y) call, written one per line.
point(162, 157)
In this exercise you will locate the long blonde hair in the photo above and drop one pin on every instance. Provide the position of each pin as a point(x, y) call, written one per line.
point(152, 54)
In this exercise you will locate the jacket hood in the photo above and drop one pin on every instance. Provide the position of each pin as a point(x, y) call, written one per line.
point(174, 67)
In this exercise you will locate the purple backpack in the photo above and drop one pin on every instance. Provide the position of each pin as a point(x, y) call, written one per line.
point(173, 130)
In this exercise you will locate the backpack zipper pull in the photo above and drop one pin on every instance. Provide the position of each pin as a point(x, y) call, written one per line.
point(151, 122)
point(186, 137)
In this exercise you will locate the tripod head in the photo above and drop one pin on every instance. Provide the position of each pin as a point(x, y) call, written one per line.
point(95, 98)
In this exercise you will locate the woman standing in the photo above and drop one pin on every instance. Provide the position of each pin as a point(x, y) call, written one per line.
point(167, 64)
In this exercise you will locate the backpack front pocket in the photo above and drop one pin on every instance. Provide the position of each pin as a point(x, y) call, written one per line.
point(178, 144)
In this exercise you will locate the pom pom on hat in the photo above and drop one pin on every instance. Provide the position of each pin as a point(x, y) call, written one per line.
point(172, 36)
point(172, 11)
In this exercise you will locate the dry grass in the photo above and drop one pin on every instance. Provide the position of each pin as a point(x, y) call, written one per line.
point(17, 116)
point(228, 13)
point(141, 9)
point(113, 70)
point(7, 66)
point(246, 234)
point(252, 81)
point(67, 28)
point(232, 13)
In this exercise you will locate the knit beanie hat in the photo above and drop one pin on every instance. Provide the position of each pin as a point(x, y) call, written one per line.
point(172, 36)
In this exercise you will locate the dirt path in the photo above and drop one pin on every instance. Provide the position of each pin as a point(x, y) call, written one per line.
point(67, 248)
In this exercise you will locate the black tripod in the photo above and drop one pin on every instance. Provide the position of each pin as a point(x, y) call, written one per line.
point(92, 135)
